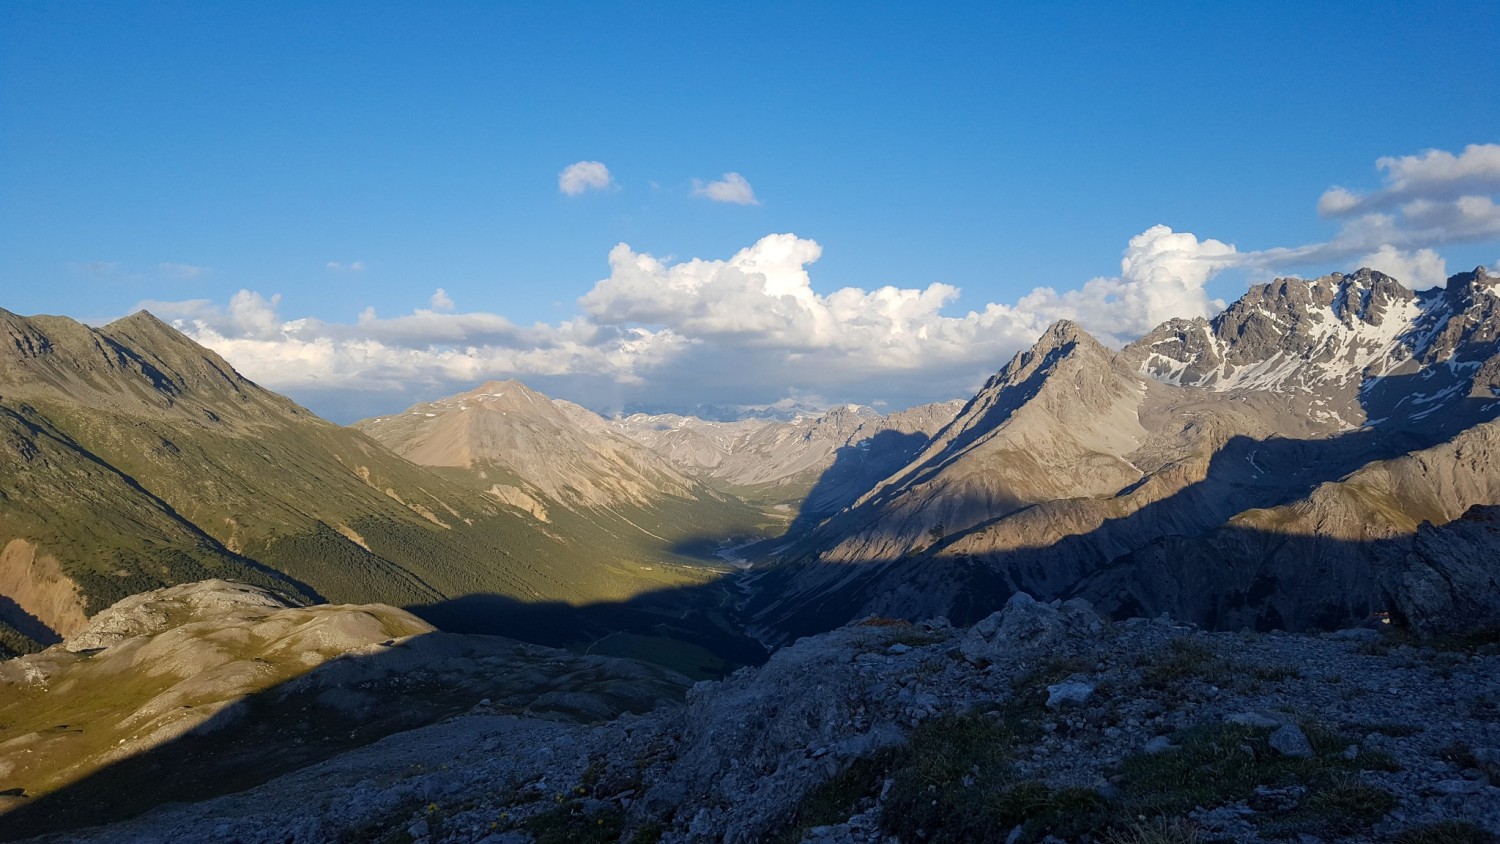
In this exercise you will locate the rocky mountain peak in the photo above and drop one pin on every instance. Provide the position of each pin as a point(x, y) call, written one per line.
point(1478, 275)
point(494, 386)
point(46, 340)
point(1464, 290)
point(1367, 295)
point(184, 362)
point(1063, 333)
point(143, 320)
point(842, 420)
point(22, 339)
point(1184, 350)
point(558, 449)
point(1316, 343)
point(1062, 339)
point(144, 328)
point(137, 361)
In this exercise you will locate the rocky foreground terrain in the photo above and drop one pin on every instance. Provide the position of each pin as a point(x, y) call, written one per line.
point(206, 688)
point(1040, 723)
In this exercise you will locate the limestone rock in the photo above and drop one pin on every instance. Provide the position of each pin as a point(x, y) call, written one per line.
point(1289, 740)
point(1071, 692)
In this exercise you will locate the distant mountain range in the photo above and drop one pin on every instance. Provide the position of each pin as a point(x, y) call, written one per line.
point(1267, 468)
point(132, 458)
point(1306, 458)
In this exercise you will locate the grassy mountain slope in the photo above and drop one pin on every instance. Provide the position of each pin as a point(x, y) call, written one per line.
point(132, 434)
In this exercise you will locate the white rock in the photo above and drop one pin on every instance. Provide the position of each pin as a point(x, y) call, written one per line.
point(1069, 691)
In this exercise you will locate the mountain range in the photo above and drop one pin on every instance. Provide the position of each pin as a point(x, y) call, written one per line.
point(216, 591)
point(133, 459)
point(1268, 468)
point(1281, 465)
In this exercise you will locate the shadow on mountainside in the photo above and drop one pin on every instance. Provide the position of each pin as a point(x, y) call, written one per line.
point(855, 470)
point(355, 700)
point(691, 630)
point(26, 624)
point(802, 595)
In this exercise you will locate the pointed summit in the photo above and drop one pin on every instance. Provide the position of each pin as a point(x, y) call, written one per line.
point(1063, 338)
point(142, 319)
point(177, 356)
point(145, 328)
point(1062, 333)
point(1477, 279)
point(497, 385)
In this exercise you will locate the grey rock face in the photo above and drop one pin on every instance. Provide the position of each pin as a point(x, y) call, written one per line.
point(1071, 692)
point(1259, 719)
point(1343, 349)
point(1449, 581)
point(776, 730)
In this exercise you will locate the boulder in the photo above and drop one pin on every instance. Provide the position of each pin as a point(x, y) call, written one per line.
point(1024, 625)
point(1289, 740)
point(1072, 691)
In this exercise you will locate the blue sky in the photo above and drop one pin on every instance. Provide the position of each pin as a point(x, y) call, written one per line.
point(206, 159)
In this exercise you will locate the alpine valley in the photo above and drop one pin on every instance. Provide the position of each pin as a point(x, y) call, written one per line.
point(1265, 545)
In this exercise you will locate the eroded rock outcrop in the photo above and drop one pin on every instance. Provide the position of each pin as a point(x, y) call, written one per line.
point(1449, 582)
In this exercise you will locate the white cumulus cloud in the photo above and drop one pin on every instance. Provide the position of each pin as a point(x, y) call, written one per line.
point(732, 188)
point(1431, 175)
point(754, 328)
point(1162, 275)
point(584, 176)
point(351, 267)
point(749, 329)
point(1425, 200)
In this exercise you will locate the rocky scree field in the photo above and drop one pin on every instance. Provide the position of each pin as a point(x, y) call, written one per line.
point(1041, 723)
